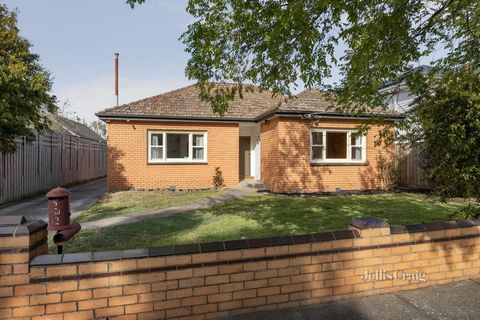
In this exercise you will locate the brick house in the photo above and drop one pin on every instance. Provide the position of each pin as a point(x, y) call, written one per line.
point(297, 145)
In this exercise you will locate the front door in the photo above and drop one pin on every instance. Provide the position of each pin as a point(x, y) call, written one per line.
point(244, 157)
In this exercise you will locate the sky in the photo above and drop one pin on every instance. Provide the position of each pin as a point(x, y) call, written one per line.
point(77, 39)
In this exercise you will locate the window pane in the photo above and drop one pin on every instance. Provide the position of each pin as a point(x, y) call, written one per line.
point(317, 138)
point(317, 153)
point(356, 153)
point(156, 139)
point(198, 153)
point(156, 153)
point(356, 140)
point(336, 145)
point(198, 140)
point(177, 145)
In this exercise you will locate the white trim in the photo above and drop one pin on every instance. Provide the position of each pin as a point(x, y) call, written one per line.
point(348, 146)
point(165, 146)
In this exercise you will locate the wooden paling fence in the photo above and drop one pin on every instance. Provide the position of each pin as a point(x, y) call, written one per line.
point(410, 173)
point(52, 160)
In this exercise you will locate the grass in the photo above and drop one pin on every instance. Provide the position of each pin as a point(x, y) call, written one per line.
point(135, 202)
point(264, 216)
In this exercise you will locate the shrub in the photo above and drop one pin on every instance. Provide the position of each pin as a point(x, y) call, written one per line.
point(218, 181)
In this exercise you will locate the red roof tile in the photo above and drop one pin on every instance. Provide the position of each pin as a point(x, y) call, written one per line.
point(185, 103)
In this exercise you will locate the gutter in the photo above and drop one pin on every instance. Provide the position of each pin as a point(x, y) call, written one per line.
point(327, 115)
point(268, 115)
point(170, 118)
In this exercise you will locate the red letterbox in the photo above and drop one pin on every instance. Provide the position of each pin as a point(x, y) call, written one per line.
point(58, 209)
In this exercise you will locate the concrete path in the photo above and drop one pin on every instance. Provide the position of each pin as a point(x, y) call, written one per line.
point(35, 208)
point(243, 189)
point(453, 301)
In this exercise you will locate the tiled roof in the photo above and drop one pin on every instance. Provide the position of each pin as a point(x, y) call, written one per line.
point(309, 100)
point(66, 126)
point(316, 101)
point(186, 103)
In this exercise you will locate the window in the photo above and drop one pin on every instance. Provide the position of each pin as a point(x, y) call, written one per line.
point(356, 145)
point(317, 145)
point(337, 145)
point(171, 146)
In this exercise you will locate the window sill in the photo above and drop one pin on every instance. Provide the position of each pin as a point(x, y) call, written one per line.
point(334, 164)
point(177, 162)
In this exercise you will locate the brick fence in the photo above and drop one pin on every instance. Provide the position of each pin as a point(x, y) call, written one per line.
point(214, 280)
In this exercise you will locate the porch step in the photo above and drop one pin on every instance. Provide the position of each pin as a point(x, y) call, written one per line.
point(253, 184)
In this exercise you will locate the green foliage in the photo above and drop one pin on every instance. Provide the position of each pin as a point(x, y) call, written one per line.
point(218, 181)
point(469, 211)
point(281, 44)
point(24, 86)
point(445, 128)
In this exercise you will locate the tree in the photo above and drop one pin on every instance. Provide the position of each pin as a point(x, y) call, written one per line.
point(25, 100)
point(281, 44)
point(444, 127)
point(66, 111)
point(99, 128)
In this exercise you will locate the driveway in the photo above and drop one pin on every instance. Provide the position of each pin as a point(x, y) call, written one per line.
point(35, 208)
point(453, 301)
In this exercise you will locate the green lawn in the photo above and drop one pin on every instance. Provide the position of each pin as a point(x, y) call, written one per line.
point(263, 216)
point(134, 202)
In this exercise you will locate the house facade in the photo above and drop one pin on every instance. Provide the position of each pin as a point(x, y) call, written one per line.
point(174, 139)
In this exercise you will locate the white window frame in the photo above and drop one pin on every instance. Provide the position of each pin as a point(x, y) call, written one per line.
point(165, 146)
point(349, 133)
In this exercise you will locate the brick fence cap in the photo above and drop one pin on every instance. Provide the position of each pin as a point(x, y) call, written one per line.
point(134, 253)
point(368, 223)
point(47, 259)
point(12, 220)
point(30, 227)
point(106, 255)
point(7, 231)
point(465, 223)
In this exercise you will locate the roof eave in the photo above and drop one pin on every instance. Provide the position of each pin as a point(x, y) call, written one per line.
point(265, 116)
point(170, 118)
point(330, 115)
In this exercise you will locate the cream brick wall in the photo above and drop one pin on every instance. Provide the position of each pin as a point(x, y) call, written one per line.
point(127, 156)
point(286, 158)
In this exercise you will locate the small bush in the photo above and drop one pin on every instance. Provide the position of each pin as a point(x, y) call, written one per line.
point(218, 181)
point(469, 211)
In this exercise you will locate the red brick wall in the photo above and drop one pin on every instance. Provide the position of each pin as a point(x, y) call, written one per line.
point(286, 158)
point(127, 165)
point(267, 274)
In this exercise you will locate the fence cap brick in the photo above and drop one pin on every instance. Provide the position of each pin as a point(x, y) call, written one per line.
point(19, 226)
point(12, 220)
point(368, 223)
point(29, 227)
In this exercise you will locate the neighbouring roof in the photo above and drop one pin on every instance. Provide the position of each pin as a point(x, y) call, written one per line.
point(186, 104)
point(425, 69)
point(63, 125)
